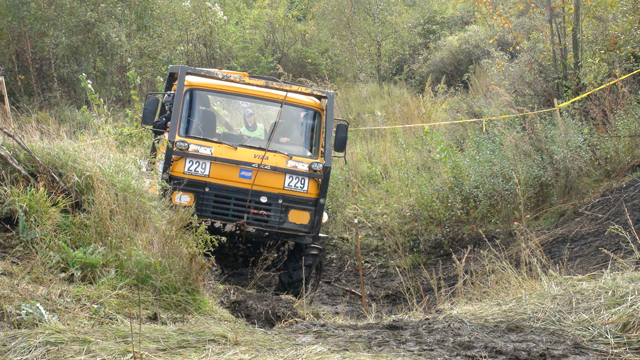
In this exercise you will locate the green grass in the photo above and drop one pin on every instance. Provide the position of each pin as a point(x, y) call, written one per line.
point(108, 225)
point(93, 322)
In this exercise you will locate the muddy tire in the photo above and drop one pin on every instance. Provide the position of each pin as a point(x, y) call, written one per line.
point(295, 273)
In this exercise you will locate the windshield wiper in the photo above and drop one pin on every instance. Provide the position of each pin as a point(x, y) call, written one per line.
point(216, 141)
point(226, 143)
point(252, 146)
point(262, 148)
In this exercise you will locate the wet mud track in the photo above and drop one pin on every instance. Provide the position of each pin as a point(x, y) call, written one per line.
point(438, 338)
point(248, 295)
point(581, 241)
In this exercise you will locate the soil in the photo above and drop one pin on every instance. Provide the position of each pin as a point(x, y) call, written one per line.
point(250, 298)
point(438, 338)
point(583, 240)
point(433, 337)
point(260, 309)
point(581, 243)
point(337, 295)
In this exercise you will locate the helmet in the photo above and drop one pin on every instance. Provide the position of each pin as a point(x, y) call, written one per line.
point(168, 100)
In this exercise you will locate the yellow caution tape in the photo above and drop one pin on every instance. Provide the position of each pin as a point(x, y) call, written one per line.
point(484, 120)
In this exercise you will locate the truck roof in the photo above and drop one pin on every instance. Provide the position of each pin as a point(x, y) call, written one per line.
point(252, 80)
point(266, 93)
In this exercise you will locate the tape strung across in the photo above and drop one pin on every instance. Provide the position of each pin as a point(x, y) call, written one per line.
point(484, 120)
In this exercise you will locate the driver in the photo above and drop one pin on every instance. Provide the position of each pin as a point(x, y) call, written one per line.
point(251, 127)
point(292, 132)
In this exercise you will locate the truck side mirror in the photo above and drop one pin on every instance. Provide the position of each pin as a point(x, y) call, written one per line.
point(341, 137)
point(150, 110)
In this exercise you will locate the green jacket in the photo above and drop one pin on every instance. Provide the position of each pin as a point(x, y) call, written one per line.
point(258, 132)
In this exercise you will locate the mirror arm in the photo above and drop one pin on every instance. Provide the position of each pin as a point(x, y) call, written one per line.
point(343, 156)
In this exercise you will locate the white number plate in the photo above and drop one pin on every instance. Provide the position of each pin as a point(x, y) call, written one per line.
point(296, 183)
point(197, 167)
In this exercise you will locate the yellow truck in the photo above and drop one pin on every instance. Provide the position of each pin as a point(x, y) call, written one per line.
point(253, 156)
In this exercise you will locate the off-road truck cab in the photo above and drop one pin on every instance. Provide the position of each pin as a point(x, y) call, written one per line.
point(253, 156)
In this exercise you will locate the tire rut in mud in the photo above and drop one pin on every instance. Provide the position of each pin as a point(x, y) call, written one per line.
point(442, 338)
point(258, 309)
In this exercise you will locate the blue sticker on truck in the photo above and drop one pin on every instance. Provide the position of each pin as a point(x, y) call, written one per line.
point(245, 174)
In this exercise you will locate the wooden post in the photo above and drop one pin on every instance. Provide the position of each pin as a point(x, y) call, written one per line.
point(362, 291)
point(7, 107)
point(558, 117)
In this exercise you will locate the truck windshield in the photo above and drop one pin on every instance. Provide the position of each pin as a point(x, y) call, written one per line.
point(240, 120)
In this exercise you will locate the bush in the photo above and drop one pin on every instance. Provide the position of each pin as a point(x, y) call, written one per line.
point(453, 58)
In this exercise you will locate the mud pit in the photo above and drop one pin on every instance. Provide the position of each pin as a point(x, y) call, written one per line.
point(259, 309)
point(576, 241)
point(337, 295)
point(434, 337)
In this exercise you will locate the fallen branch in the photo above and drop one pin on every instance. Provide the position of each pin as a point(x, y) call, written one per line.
point(7, 107)
point(28, 151)
point(343, 288)
point(5, 154)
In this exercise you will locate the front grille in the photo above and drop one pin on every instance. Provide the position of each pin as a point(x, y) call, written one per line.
point(229, 204)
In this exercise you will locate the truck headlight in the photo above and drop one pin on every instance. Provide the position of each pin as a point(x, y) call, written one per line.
point(316, 166)
point(182, 145)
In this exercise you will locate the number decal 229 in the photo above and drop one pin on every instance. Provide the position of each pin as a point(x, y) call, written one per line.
point(296, 183)
point(197, 167)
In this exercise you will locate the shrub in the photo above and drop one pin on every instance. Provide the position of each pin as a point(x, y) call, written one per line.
point(453, 58)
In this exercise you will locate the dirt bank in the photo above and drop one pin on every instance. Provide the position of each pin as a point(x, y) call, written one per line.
point(582, 239)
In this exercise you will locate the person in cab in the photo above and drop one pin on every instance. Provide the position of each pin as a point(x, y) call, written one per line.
point(293, 130)
point(251, 127)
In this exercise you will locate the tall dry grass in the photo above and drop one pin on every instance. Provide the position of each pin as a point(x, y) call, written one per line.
point(108, 225)
point(421, 186)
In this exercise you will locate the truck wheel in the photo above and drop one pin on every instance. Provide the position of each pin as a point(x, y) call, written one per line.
point(292, 276)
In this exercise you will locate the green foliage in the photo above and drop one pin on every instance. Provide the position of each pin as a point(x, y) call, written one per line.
point(49, 44)
point(33, 312)
point(82, 264)
point(455, 57)
point(37, 213)
point(97, 104)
